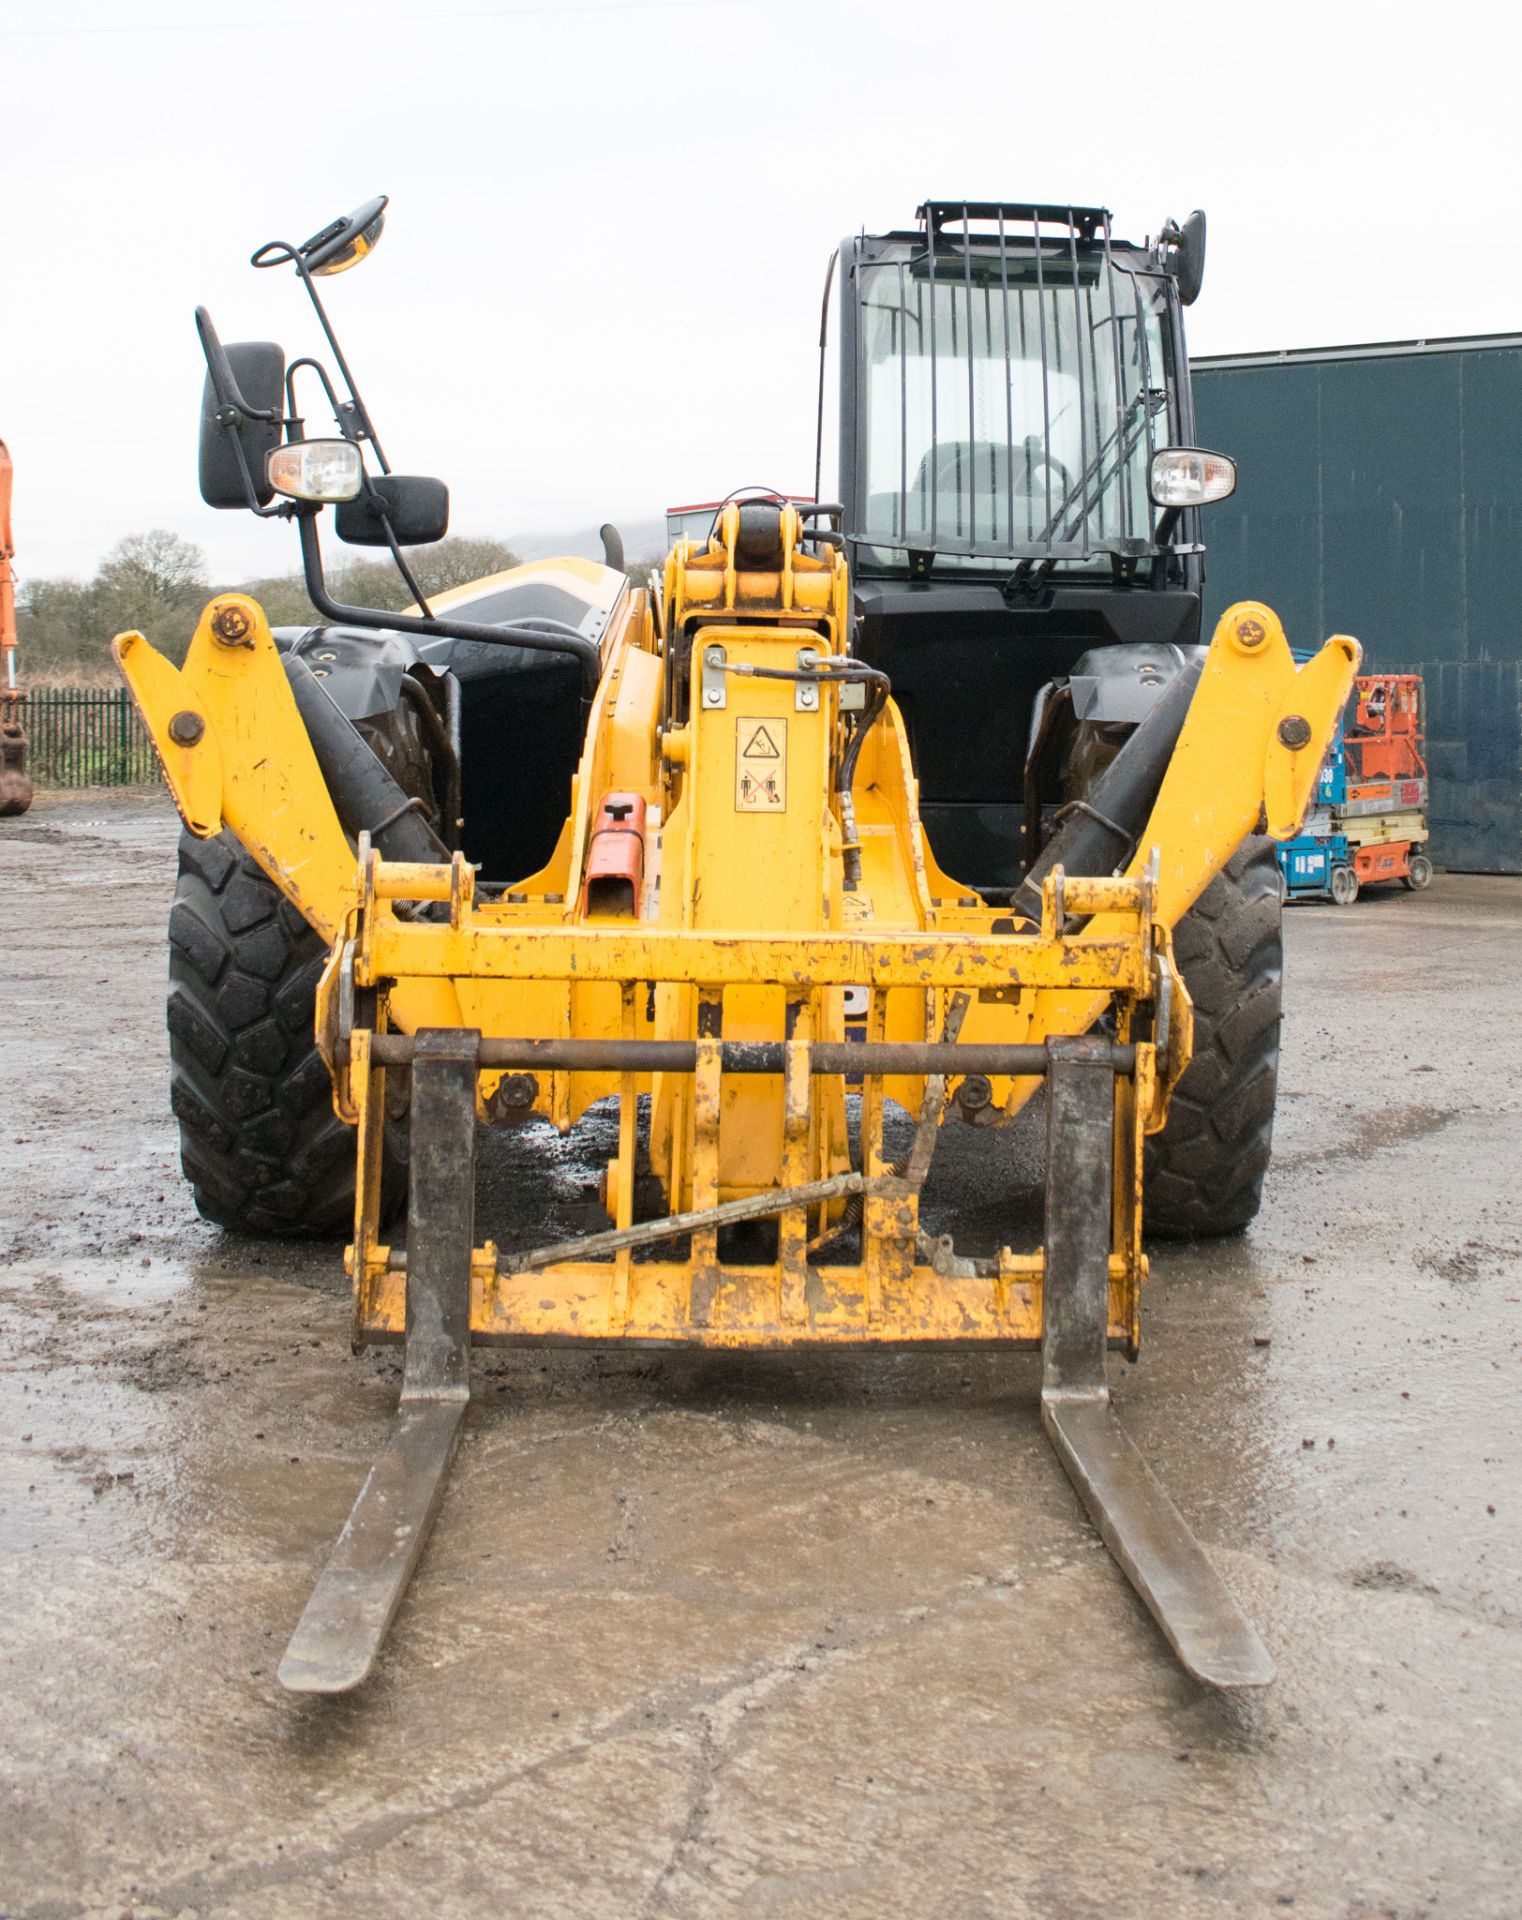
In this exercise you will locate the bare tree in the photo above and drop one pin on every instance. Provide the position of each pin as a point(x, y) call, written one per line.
point(157, 582)
point(157, 571)
point(456, 562)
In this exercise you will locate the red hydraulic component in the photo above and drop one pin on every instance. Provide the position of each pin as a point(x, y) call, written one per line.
point(615, 876)
point(15, 787)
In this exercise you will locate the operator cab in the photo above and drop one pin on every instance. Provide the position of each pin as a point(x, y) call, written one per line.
point(1010, 376)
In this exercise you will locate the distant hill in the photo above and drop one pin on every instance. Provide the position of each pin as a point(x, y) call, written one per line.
point(643, 539)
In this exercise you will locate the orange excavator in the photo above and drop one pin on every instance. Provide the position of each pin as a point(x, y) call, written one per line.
point(15, 786)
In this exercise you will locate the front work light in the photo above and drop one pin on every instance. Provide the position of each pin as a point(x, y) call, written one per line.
point(316, 470)
point(1191, 477)
point(346, 242)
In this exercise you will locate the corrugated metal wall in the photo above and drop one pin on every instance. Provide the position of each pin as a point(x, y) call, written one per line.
point(1380, 494)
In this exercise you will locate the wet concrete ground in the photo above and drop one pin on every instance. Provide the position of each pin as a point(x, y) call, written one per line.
point(773, 1637)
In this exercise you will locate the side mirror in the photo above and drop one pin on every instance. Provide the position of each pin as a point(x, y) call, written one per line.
point(1191, 258)
point(251, 376)
point(416, 506)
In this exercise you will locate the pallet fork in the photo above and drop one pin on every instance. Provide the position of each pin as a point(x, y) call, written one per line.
point(1138, 1522)
point(346, 1620)
point(348, 1616)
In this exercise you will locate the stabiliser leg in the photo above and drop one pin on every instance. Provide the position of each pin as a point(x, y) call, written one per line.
point(1139, 1523)
point(352, 1607)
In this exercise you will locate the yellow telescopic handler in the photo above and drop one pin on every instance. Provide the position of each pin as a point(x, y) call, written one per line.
point(928, 798)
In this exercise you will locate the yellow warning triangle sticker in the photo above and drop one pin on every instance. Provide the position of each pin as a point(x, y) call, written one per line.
point(760, 746)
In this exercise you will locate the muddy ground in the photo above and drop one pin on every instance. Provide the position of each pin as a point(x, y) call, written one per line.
point(773, 1637)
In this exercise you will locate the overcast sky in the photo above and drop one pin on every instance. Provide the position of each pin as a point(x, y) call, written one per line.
point(598, 290)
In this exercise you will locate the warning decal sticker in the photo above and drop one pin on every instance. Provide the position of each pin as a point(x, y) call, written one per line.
point(760, 765)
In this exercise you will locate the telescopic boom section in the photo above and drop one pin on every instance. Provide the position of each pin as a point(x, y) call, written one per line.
point(782, 933)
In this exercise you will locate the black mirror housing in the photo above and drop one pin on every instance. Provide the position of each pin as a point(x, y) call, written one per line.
point(416, 506)
point(1191, 258)
point(258, 368)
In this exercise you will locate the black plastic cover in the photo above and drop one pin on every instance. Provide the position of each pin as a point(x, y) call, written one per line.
point(1120, 685)
point(258, 367)
point(417, 507)
point(1191, 258)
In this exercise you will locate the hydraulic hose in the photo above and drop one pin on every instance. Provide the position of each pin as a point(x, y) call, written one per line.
point(1098, 834)
point(365, 797)
point(837, 669)
point(445, 752)
point(845, 780)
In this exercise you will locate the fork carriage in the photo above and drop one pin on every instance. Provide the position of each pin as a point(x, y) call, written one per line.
point(901, 1288)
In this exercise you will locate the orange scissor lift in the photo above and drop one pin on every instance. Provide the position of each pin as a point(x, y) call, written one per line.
point(1384, 816)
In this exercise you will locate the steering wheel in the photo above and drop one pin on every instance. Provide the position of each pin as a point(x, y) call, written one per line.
point(1028, 457)
point(1046, 471)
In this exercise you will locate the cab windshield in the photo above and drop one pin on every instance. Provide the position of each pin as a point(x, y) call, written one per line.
point(1011, 401)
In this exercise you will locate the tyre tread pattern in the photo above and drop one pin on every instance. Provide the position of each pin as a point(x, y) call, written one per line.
point(1204, 1172)
point(260, 1144)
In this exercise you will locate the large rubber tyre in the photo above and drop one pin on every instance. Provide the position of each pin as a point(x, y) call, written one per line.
point(1204, 1171)
point(260, 1143)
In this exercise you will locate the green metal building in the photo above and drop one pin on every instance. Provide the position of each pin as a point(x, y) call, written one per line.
point(1379, 493)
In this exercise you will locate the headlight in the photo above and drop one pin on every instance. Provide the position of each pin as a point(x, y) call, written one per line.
point(1191, 477)
point(316, 470)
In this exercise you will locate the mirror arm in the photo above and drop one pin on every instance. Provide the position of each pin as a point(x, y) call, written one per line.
point(345, 425)
point(275, 253)
point(328, 388)
point(576, 645)
point(1167, 525)
point(276, 509)
point(397, 555)
point(223, 379)
point(365, 426)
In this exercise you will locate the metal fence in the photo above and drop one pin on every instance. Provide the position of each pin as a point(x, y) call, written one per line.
point(85, 737)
